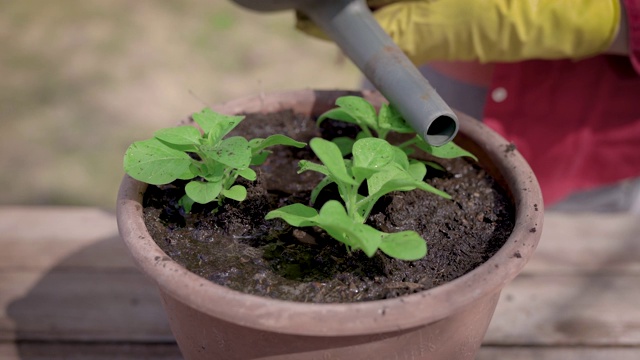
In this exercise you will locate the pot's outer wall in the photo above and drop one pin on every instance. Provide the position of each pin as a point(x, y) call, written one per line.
point(446, 322)
point(458, 337)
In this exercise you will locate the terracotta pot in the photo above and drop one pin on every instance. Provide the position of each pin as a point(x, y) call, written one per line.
point(448, 322)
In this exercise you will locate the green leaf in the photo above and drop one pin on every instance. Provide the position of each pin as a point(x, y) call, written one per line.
point(305, 165)
point(331, 157)
point(216, 125)
point(153, 162)
point(257, 145)
point(334, 220)
point(318, 188)
point(446, 151)
point(236, 192)
point(203, 192)
point(390, 118)
point(362, 135)
point(345, 144)
point(360, 109)
point(296, 215)
point(276, 139)
point(400, 158)
point(181, 135)
point(426, 187)
point(188, 175)
point(362, 173)
point(337, 114)
point(405, 245)
point(247, 173)
point(384, 182)
point(260, 158)
point(233, 152)
point(408, 151)
point(372, 153)
point(186, 202)
point(418, 170)
point(435, 165)
point(215, 172)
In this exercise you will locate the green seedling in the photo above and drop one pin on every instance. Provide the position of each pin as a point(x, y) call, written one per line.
point(210, 161)
point(356, 110)
point(384, 168)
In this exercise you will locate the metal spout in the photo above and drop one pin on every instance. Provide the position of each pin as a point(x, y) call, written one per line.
point(351, 25)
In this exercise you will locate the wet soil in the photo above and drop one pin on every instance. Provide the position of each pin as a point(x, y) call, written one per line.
point(235, 246)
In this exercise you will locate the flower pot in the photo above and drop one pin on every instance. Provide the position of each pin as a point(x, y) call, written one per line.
point(210, 321)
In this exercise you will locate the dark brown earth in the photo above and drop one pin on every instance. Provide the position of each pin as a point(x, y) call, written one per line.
point(234, 246)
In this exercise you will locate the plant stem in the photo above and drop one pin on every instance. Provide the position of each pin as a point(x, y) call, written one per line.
point(351, 202)
point(367, 211)
point(365, 129)
point(382, 134)
point(409, 142)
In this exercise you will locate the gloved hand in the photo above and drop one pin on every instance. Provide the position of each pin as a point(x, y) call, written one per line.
point(495, 30)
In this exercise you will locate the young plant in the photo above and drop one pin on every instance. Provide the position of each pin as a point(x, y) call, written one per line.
point(210, 161)
point(385, 168)
point(356, 110)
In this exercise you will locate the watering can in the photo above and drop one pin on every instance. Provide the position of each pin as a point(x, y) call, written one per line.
point(351, 25)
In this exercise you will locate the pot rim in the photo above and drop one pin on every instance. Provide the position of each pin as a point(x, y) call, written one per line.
point(345, 318)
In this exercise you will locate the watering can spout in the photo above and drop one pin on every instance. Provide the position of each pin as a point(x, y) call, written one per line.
point(351, 25)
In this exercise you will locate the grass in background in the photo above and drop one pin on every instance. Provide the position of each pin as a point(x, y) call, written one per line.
point(82, 79)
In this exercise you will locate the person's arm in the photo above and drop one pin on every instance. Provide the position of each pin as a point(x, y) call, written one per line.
point(500, 30)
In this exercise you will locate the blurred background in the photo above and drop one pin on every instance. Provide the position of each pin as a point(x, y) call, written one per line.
point(82, 79)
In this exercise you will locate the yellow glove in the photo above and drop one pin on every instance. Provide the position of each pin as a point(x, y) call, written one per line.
point(497, 30)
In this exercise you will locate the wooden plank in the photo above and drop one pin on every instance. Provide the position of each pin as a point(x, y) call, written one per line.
point(558, 353)
point(79, 351)
point(587, 243)
point(66, 275)
point(54, 223)
point(568, 310)
point(9, 351)
point(46, 237)
point(53, 351)
point(81, 306)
